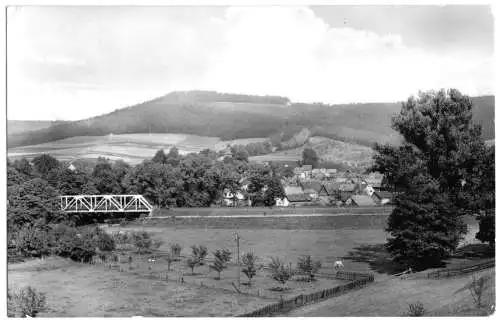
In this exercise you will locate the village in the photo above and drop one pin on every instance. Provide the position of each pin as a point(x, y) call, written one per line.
point(321, 187)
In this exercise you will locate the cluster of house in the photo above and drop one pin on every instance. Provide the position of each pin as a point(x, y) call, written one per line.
point(327, 187)
point(323, 187)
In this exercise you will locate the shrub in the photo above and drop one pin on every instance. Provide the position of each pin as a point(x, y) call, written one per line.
point(156, 244)
point(142, 241)
point(200, 252)
point(99, 239)
point(32, 242)
point(25, 302)
point(222, 257)
point(416, 310)
point(67, 242)
point(477, 287)
point(249, 261)
point(307, 266)
point(175, 250)
point(279, 272)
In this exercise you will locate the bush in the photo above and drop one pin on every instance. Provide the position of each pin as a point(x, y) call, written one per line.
point(32, 242)
point(142, 241)
point(156, 244)
point(477, 287)
point(25, 302)
point(67, 242)
point(416, 310)
point(307, 266)
point(99, 238)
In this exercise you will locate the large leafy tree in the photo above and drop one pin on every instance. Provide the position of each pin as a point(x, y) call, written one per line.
point(44, 163)
point(442, 150)
point(160, 157)
point(310, 157)
point(23, 166)
point(104, 177)
point(75, 182)
point(32, 201)
point(483, 190)
point(159, 183)
point(173, 157)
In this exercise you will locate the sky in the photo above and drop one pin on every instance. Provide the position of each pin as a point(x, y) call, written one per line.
point(69, 63)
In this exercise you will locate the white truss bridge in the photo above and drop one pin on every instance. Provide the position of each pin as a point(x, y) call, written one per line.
point(105, 203)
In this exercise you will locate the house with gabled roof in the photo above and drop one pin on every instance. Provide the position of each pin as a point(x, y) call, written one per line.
point(329, 189)
point(344, 198)
point(382, 197)
point(362, 200)
point(312, 188)
point(349, 187)
point(299, 199)
point(289, 189)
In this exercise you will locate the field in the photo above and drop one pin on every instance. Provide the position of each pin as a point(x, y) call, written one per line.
point(76, 290)
point(133, 148)
point(143, 290)
point(328, 150)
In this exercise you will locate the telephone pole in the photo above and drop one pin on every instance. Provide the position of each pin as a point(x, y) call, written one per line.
point(237, 239)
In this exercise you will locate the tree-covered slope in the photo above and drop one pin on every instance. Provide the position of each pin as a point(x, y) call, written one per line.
point(233, 116)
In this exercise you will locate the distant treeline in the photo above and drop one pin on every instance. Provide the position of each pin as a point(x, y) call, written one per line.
point(213, 96)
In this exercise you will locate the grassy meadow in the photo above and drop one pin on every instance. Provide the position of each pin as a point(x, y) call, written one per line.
point(392, 296)
point(75, 289)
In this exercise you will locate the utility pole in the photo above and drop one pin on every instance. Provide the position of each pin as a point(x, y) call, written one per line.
point(237, 239)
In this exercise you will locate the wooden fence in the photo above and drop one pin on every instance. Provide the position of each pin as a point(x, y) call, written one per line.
point(458, 271)
point(287, 305)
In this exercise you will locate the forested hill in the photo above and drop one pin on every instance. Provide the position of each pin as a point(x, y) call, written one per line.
point(17, 126)
point(233, 116)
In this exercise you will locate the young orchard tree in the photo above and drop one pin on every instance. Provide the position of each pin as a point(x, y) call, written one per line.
point(175, 250)
point(280, 272)
point(199, 253)
point(306, 265)
point(192, 262)
point(249, 261)
point(441, 151)
point(222, 257)
point(169, 258)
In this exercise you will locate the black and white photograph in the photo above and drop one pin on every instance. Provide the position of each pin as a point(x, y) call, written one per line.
point(270, 160)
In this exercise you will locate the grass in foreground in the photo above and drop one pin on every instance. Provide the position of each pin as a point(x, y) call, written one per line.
point(392, 297)
point(79, 290)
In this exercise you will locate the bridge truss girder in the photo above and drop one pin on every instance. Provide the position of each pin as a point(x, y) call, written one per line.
point(104, 203)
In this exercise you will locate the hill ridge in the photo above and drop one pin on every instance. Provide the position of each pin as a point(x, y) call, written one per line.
point(233, 116)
